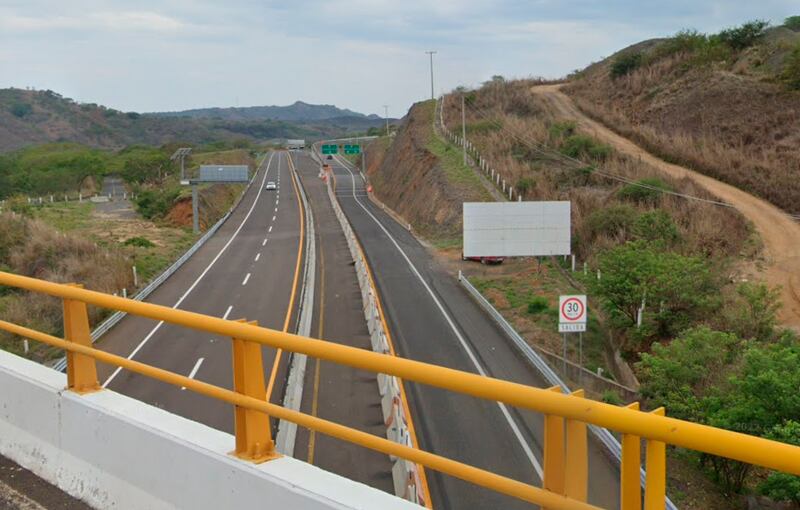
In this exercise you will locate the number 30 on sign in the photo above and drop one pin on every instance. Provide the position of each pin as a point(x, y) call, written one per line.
point(572, 314)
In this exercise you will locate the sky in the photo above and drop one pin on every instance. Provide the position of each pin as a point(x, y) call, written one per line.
point(171, 55)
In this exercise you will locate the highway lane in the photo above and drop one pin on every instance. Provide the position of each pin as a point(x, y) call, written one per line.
point(247, 270)
point(434, 320)
point(331, 391)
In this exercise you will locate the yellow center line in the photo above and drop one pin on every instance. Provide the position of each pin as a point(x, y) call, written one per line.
point(288, 319)
point(312, 436)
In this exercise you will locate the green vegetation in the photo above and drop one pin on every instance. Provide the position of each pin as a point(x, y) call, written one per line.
point(656, 226)
point(644, 191)
point(51, 168)
point(20, 109)
point(744, 36)
point(791, 70)
point(452, 163)
point(576, 145)
point(625, 64)
point(537, 304)
point(139, 241)
point(792, 23)
point(678, 290)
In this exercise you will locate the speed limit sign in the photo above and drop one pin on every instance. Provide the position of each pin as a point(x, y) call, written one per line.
point(572, 314)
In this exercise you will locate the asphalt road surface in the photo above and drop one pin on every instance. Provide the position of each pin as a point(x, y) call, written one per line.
point(336, 392)
point(432, 319)
point(246, 270)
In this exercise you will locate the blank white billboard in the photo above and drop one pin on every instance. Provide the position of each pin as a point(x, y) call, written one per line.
point(516, 229)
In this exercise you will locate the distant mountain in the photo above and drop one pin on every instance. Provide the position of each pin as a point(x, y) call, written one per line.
point(297, 112)
point(29, 117)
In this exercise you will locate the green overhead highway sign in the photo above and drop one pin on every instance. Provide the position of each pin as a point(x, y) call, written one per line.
point(352, 149)
point(330, 149)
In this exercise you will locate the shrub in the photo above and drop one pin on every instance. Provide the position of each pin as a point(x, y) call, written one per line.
point(742, 37)
point(625, 64)
point(754, 313)
point(615, 221)
point(537, 305)
point(20, 109)
point(792, 23)
point(656, 226)
point(525, 184)
point(577, 146)
point(133, 115)
point(791, 70)
point(783, 486)
point(646, 190)
point(154, 204)
point(559, 130)
point(685, 41)
point(139, 242)
point(611, 397)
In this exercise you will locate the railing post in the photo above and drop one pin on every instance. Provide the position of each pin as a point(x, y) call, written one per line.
point(554, 451)
point(577, 463)
point(656, 464)
point(253, 436)
point(81, 369)
point(630, 480)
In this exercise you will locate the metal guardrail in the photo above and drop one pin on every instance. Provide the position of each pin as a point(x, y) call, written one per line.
point(532, 357)
point(113, 319)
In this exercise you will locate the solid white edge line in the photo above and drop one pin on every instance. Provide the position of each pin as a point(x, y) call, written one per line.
point(206, 270)
point(513, 424)
point(194, 370)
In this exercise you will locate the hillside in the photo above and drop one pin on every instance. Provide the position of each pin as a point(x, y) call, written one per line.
point(33, 117)
point(727, 104)
point(299, 111)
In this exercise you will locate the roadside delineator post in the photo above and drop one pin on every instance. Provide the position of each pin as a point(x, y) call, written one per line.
point(81, 369)
point(630, 467)
point(253, 435)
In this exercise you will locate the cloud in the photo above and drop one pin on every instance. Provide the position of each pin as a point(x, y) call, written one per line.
point(121, 21)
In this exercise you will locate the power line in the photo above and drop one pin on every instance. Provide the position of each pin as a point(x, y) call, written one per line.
point(537, 147)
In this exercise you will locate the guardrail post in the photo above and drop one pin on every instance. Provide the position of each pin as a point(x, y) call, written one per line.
point(656, 463)
point(630, 481)
point(554, 451)
point(81, 369)
point(253, 435)
point(577, 461)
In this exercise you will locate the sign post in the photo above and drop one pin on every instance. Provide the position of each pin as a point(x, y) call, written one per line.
point(572, 314)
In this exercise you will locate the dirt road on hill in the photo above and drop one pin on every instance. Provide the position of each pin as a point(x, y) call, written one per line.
point(779, 233)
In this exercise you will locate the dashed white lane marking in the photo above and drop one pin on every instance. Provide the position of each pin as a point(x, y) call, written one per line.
point(244, 282)
point(227, 312)
point(270, 229)
point(258, 256)
point(205, 271)
point(194, 370)
point(273, 218)
point(276, 209)
point(264, 242)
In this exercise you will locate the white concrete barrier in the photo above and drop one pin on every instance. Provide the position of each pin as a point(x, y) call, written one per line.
point(115, 452)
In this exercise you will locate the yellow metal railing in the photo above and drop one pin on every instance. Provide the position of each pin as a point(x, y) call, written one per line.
point(566, 416)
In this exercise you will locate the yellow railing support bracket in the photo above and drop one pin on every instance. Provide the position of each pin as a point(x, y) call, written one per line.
point(577, 464)
point(253, 436)
point(554, 451)
point(81, 369)
point(655, 492)
point(630, 479)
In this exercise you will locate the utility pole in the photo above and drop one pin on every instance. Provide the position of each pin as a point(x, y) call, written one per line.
point(431, 53)
point(386, 116)
point(463, 129)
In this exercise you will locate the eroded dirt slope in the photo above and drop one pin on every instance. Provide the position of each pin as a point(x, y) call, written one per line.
point(779, 232)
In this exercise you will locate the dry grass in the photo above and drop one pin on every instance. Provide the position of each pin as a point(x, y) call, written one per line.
point(527, 123)
point(734, 127)
point(32, 248)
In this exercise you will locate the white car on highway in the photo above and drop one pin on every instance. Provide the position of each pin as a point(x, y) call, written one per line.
point(271, 185)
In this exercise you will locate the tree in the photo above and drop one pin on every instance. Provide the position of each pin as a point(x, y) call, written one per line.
point(656, 226)
point(792, 23)
point(742, 37)
point(146, 167)
point(676, 287)
point(761, 397)
point(679, 374)
point(783, 486)
point(20, 109)
point(754, 313)
point(624, 64)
